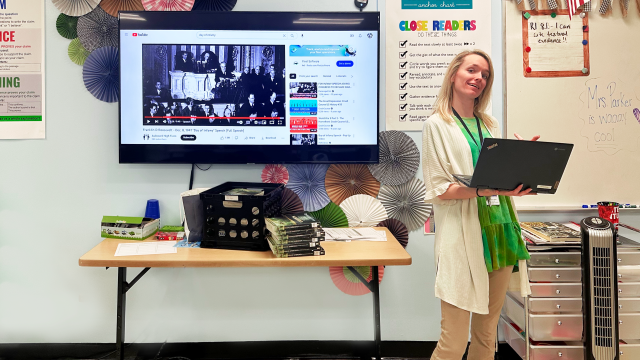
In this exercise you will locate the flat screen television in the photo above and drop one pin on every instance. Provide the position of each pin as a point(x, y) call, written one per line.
point(249, 87)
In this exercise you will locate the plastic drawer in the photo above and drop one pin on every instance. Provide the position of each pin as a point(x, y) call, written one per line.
point(573, 290)
point(630, 350)
point(514, 311)
point(628, 257)
point(513, 337)
point(562, 351)
point(629, 326)
point(555, 305)
point(629, 273)
point(567, 274)
point(628, 290)
point(552, 351)
point(555, 259)
point(555, 327)
point(628, 305)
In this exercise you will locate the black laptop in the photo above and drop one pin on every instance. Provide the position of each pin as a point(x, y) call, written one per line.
point(504, 164)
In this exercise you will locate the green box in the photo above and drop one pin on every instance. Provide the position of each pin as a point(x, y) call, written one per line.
point(129, 228)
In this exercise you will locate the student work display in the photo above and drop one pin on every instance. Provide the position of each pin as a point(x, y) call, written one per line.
point(598, 113)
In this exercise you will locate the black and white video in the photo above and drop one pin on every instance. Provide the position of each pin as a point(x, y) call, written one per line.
point(303, 139)
point(225, 85)
point(303, 90)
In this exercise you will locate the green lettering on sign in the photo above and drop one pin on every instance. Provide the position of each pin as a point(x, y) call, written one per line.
point(20, 118)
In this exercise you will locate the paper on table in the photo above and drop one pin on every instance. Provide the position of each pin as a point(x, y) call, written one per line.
point(348, 234)
point(146, 248)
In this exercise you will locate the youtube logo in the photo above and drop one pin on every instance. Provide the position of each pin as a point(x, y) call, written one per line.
point(134, 34)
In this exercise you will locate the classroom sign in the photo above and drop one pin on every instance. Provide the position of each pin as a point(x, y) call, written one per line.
point(22, 69)
point(423, 36)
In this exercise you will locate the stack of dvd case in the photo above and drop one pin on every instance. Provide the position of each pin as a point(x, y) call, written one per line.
point(294, 235)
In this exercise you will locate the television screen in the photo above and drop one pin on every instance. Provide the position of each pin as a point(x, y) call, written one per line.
point(249, 87)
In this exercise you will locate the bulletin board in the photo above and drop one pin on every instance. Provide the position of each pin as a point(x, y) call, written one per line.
point(553, 45)
point(598, 112)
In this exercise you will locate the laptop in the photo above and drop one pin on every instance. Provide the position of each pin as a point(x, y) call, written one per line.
point(503, 164)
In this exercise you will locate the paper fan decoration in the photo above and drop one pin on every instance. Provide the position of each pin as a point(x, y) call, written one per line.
point(101, 74)
point(214, 5)
point(167, 5)
point(346, 180)
point(112, 7)
point(398, 230)
point(77, 53)
point(348, 283)
point(399, 158)
point(331, 216)
point(363, 211)
point(75, 7)
point(291, 203)
point(275, 174)
point(308, 182)
point(98, 29)
point(67, 26)
point(406, 203)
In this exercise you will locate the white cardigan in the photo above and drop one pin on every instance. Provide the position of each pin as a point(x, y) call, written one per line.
point(461, 274)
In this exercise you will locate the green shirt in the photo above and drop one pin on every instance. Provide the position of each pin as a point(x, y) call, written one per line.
point(501, 234)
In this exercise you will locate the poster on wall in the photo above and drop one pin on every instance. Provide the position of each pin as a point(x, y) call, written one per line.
point(22, 69)
point(423, 36)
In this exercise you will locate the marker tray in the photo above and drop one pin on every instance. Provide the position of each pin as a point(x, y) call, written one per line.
point(234, 215)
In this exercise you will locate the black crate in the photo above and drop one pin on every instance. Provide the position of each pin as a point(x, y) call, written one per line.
point(237, 221)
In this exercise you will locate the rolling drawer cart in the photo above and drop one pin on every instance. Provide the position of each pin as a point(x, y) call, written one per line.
point(548, 324)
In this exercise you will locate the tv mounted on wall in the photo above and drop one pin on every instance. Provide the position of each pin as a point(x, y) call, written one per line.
point(249, 87)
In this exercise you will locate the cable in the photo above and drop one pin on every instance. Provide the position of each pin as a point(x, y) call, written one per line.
point(193, 167)
point(202, 168)
point(109, 353)
point(159, 350)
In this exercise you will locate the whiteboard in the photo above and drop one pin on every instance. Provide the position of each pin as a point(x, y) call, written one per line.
point(595, 112)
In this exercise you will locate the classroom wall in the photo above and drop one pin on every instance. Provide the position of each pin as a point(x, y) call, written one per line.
point(54, 192)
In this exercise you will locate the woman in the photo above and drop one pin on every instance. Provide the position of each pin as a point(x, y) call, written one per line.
point(478, 240)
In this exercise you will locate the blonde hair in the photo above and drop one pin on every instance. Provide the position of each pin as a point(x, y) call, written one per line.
point(442, 106)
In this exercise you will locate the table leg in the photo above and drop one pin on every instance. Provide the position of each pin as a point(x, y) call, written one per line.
point(375, 290)
point(122, 304)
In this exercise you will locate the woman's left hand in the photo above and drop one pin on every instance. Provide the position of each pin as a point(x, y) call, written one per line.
point(532, 139)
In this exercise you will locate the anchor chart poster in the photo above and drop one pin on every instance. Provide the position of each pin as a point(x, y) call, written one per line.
point(22, 69)
point(422, 37)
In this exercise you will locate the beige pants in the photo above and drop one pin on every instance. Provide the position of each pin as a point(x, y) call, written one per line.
point(455, 322)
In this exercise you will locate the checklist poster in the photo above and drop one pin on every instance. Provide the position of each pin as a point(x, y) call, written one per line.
point(22, 69)
point(422, 38)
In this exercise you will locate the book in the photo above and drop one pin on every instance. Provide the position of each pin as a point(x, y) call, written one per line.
point(299, 233)
point(291, 222)
point(293, 245)
point(294, 253)
point(551, 231)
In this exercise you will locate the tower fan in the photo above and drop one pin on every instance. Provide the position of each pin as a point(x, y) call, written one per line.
point(599, 289)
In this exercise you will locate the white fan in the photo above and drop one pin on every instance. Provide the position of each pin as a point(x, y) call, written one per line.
point(75, 7)
point(406, 203)
point(363, 210)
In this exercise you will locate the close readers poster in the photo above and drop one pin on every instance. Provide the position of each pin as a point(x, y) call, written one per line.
point(22, 69)
point(423, 36)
